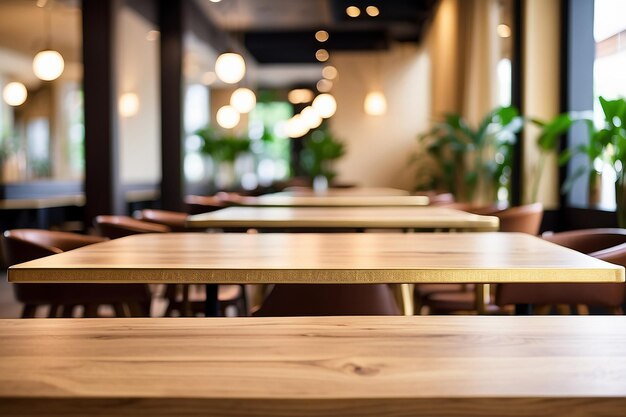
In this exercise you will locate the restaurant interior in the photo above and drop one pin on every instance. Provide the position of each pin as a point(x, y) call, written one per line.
point(313, 207)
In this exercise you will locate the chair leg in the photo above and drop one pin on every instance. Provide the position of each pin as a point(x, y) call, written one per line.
point(54, 311)
point(244, 301)
point(120, 310)
point(29, 311)
point(582, 310)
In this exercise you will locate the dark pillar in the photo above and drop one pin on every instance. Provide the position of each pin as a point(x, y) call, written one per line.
point(517, 94)
point(171, 14)
point(102, 185)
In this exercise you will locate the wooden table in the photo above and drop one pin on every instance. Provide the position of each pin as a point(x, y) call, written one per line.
point(428, 218)
point(330, 366)
point(352, 258)
point(343, 192)
point(286, 200)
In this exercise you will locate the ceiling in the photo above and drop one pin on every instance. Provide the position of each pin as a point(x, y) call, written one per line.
point(283, 31)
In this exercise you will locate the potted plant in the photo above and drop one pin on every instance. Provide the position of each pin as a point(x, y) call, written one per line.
point(319, 152)
point(223, 150)
point(471, 161)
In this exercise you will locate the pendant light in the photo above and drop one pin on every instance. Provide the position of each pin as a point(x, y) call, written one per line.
point(227, 117)
point(230, 67)
point(14, 94)
point(48, 64)
point(325, 105)
point(243, 100)
point(375, 103)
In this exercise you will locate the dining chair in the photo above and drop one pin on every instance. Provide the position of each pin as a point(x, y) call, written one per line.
point(328, 300)
point(175, 220)
point(605, 244)
point(178, 296)
point(22, 245)
point(198, 204)
point(520, 219)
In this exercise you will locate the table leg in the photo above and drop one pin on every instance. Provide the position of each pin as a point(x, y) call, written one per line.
point(211, 304)
point(403, 293)
point(523, 309)
point(482, 298)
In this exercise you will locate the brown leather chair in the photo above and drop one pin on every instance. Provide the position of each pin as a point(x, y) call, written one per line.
point(177, 295)
point(606, 244)
point(115, 227)
point(328, 300)
point(198, 204)
point(22, 245)
point(521, 219)
point(175, 220)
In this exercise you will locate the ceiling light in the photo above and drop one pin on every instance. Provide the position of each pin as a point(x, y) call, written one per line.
point(322, 55)
point(153, 35)
point(321, 36)
point(325, 105)
point(48, 65)
point(14, 94)
point(128, 104)
point(300, 95)
point(230, 67)
point(296, 127)
point(243, 100)
point(215, 1)
point(311, 118)
point(353, 11)
point(504, 31)
point(324, 85)
point(372, 11)
point(329, 72)
point(227, 117)
point(375, 104)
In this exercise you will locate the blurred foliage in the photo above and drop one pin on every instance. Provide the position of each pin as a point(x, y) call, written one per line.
point(222, 148)
point(318, 153)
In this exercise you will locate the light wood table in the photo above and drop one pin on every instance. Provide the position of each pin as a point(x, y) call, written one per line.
point(343, 192)
point(285, 200)
point(343, 217)
point(352, 258)
point(329, 366)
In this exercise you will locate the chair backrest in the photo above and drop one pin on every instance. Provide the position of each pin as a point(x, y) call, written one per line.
point(523, 219)
point(197, 204)
point(328, 300)
point(175, 220)
point(606, 244)
point(22, 245)
point(115, 227)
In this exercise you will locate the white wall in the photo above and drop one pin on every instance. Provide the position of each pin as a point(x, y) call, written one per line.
point(378, 147)
point(139, 135)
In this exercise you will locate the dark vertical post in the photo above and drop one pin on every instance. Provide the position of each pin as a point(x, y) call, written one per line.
point(102, 186)
point(517, 98)
point(171, 16)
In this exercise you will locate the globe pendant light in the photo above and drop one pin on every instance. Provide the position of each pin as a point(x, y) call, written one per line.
point(243, 100)
point(48, 64)
point(375, 103)
point(14, 94)
point(227, 117)
point(325, 105)
point(230, 67)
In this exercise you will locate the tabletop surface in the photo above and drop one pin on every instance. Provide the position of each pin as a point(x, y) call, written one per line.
point(320, 258)
point(343, 217)
point(287, 200)
point(330, 366)
point(342, 192)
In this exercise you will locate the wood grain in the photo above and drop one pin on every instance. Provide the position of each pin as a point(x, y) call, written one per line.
point(349, 366)
point(280, 200)
point(344, 217)
point(353, 258)
point(43, 202)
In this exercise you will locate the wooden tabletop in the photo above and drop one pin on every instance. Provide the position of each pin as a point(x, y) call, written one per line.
point(343, 217)
point(43, 202)
point(343, 192)
point(282, 200)
point(349, 366)
point(352, 258)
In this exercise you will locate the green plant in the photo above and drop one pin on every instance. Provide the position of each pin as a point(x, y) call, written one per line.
point(222, 148)
point(318, 153)
point(548, 143)
point(469, 159)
